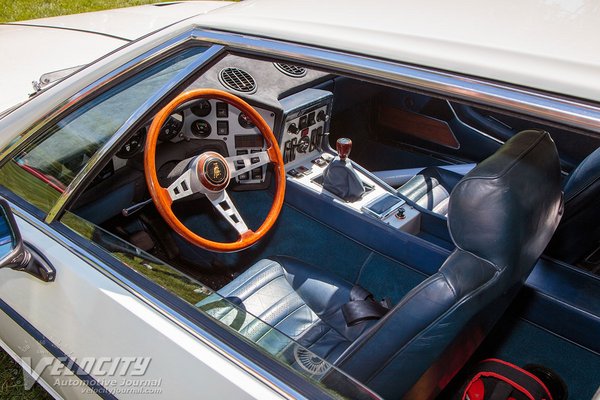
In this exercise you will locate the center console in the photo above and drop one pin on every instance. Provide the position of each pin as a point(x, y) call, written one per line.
point(307, 154)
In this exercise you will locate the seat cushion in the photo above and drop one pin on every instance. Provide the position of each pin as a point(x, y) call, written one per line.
point(287, 296)
point(431, 189)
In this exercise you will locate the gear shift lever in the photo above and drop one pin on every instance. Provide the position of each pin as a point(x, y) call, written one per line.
point(343, 147)
point(339, 177)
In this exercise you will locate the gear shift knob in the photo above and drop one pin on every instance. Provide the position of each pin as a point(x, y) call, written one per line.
point(343, 147)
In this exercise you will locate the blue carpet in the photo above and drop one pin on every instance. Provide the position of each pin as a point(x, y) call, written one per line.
point(296, 234)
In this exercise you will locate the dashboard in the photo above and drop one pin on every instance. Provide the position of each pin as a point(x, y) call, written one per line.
point(284, 95)
point(195, 124)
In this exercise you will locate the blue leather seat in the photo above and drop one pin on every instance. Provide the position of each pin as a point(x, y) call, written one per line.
point(501, 216)
point(578, 234)
point(431, 189)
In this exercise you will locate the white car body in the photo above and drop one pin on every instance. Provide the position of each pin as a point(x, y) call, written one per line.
point(51, 44)
point(551, 47)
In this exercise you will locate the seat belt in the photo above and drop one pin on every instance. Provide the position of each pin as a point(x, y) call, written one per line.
point(363, 306)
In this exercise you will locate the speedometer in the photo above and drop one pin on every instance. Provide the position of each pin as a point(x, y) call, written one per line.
point(133, 145)
point(172, 127)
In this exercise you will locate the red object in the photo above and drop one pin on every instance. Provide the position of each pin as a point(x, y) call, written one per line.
point(343, 147)
point(51, 181)
point(475, 388)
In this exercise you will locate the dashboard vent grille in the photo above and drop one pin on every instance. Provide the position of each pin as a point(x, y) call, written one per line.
point(291, 70)
point(237, 79)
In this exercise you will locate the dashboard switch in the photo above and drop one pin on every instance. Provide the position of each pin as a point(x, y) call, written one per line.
point(222, 128)
point(257, 173)
point(293, 129)
point(303, 122)
point(321, 116)
point(222, 110)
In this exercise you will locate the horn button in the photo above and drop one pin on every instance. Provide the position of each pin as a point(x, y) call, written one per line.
point(213, 171)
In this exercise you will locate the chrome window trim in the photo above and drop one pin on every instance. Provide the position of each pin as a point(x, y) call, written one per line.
point(187, 72)
point(573, 112)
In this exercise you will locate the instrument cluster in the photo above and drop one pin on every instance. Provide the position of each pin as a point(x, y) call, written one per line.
point(208, 120)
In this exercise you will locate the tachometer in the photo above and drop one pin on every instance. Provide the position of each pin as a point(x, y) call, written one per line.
point(133, 145)
point(172, 127)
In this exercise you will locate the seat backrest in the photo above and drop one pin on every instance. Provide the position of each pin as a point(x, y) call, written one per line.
point(501, 217)
point(579, 231)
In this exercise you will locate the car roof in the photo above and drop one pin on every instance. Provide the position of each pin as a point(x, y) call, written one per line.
point(127, 23)
point(551, 45)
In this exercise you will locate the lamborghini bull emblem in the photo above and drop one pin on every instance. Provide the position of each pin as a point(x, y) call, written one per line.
point(215, 171)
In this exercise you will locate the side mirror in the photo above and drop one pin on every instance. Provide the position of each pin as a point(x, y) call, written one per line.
point(15, 254)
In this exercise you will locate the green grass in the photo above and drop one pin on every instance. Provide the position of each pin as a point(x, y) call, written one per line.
point(19, 10)
point(11, 382)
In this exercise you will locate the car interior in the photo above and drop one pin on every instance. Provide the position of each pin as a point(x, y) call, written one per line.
point(408, 227)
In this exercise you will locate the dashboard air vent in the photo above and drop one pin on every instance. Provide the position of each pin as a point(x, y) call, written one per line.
point(237, 79)
point(291, 70)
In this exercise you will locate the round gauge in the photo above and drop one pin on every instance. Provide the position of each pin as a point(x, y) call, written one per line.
point(201, 128)
point(171, 127)
point(245, 121)
point(133, 145)
point(202, 108)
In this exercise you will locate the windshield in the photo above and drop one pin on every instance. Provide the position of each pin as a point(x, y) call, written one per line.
point(52, 161)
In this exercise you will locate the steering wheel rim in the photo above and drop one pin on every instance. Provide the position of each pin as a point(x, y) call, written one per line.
point(162, 198)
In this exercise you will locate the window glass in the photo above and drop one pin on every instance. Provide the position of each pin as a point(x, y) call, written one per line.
point(281, 347)
point(48, 165)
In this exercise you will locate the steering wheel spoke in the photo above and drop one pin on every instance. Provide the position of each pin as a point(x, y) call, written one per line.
point(243, 163)
point(222, 202)
point(182, 186)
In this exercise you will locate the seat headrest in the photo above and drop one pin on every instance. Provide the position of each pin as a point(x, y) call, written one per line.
point(506, 209)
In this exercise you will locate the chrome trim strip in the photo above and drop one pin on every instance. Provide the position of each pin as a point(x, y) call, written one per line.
point(572, 112)
point(173, 315)
point(142, 110)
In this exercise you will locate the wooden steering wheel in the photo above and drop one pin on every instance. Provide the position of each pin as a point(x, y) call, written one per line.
point(210, 173)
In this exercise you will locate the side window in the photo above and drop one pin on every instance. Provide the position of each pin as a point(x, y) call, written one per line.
point(225, 311)
point(42, 171)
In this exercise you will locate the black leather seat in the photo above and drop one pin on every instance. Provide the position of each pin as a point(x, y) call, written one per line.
point(578, 234)
point(500, 223)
